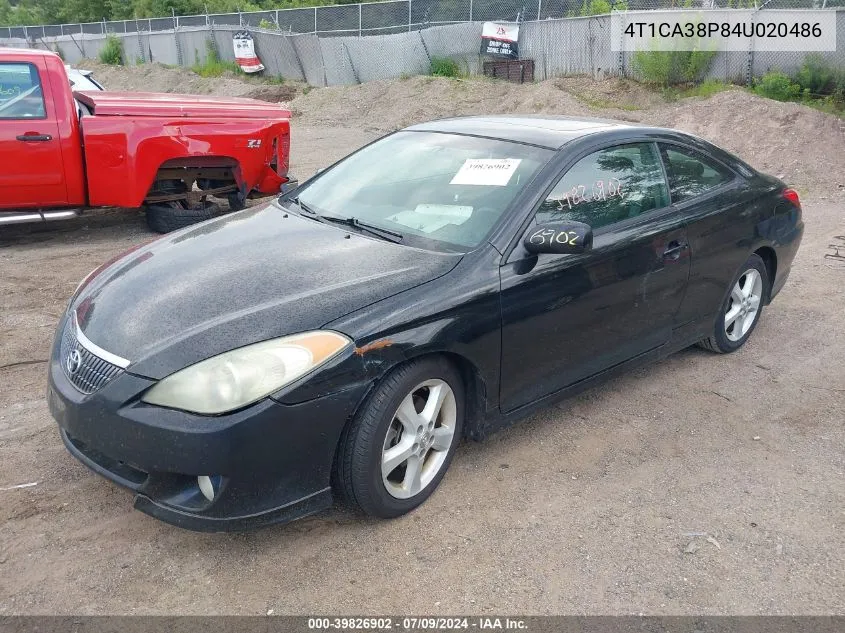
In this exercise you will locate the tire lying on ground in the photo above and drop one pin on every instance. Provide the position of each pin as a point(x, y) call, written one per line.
point(170, 216)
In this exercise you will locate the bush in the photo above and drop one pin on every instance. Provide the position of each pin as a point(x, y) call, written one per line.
point(668, 68)
point(816, 76)
point(776, 85)
point(444, 67)
point(112, 51)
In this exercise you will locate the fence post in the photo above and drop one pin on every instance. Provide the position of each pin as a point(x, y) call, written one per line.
point(359, 19)
point(470, 10)
point(409, 16)
point(539, 8)
point(180, 60)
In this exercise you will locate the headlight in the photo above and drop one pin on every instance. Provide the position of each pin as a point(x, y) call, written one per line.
point(245, 375)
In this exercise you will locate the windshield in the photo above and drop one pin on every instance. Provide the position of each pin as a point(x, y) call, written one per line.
point(438, 190)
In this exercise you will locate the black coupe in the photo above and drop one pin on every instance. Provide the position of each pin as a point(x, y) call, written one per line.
point(438, 283)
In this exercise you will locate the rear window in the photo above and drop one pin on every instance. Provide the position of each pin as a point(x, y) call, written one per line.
point(21, 96)
point(691, 174)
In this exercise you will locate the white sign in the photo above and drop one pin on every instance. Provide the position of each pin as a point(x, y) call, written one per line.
point(502, 31)
point(491, 172)
point(245, 56)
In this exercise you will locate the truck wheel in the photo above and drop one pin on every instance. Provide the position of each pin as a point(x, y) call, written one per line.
point(170, 216)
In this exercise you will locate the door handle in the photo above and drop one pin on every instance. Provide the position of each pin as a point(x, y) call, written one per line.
point(674, 249)
point(34, 137)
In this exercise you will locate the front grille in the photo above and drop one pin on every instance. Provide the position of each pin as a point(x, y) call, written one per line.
point(85, 370)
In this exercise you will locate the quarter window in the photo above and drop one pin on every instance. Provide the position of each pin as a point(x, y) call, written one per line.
point(20, 92)
point(609, 186)
point(690, 174)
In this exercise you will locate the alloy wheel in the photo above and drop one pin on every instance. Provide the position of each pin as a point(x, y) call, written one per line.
point(743, 305)
point(418, 439)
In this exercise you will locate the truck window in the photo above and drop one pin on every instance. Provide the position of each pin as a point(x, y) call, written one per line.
point(21, 96)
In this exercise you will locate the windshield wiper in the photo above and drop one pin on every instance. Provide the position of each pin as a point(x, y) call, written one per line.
point(386, 234)
point(305, 207)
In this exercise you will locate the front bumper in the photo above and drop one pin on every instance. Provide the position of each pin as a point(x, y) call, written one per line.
point(270, 462)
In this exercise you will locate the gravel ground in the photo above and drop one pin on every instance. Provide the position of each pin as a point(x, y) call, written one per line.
point(703, 484)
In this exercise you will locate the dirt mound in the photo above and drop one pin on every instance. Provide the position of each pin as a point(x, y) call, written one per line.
point(801, 145)
point(160, 78)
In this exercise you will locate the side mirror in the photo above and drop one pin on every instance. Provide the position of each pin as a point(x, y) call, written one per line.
point(558, 238)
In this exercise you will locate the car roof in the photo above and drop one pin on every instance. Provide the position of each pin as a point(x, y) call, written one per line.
point(544, 130)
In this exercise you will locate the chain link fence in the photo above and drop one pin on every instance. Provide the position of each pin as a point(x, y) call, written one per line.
point(392, 16)
point(362, 42)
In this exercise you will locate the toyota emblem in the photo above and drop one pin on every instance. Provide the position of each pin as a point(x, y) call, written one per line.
point(73, 362)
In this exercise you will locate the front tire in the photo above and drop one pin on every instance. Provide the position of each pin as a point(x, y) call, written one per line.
point(741, 309)
point(395, 452)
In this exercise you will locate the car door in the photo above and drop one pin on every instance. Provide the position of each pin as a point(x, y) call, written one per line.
point(568, 317)
point(720, 216)
point(33, 171)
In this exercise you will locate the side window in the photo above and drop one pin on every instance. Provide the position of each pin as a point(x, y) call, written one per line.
point(690, 174)
point(608, 186)
point(20, 92)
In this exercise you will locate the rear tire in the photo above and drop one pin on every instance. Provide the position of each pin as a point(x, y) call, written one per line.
point(394, 453)
point(741, 309)
point(171, 216)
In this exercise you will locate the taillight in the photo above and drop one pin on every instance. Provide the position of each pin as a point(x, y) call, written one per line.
point(792, 196)
point(282, 154)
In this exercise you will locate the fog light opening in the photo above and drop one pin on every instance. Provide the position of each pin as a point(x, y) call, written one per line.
point(206, 487)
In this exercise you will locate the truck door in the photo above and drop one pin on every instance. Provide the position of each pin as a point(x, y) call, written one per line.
point(33, 173)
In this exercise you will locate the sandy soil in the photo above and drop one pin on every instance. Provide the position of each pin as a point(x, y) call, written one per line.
point(702, 484)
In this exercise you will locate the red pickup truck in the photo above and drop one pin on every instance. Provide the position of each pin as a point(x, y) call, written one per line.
point(63, 152)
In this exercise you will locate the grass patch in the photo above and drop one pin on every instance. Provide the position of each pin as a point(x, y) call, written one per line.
point(112, 51)
point(213, 66)
point(444, 67)
point(598, 103)
point(705, 89)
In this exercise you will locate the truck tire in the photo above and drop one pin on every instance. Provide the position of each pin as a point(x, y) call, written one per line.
point(170, 216)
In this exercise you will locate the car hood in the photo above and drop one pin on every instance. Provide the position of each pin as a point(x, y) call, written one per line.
point(173, 105)
point(242, 278)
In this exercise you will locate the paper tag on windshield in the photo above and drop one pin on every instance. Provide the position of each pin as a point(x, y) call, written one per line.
point(492, 172)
